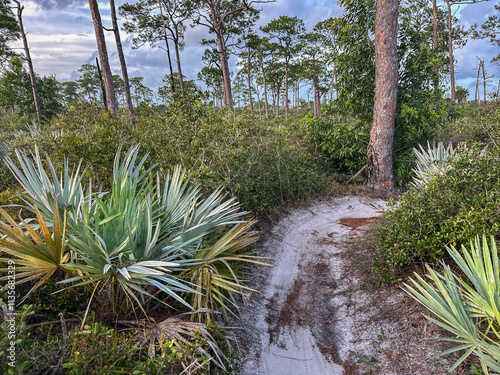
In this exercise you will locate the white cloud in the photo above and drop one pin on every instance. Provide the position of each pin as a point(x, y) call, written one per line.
point(61, 38)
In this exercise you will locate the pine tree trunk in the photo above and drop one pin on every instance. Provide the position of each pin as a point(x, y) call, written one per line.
point(484, 84)
point(278, 102)
point(103, 89)
point(172, 84)
point(179, 69)
point(123, 64)
point(36, 98)
point(249, 78)
point(221, 45)
point(265, 89)
point(286, 90)
point(103, 54)
point(450, 51)
point(434, 25)
point(379, 153)
point(226, 77)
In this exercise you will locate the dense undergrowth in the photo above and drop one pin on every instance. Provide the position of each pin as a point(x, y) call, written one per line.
point(453, 202)
point(263, 164)
point(453, 207)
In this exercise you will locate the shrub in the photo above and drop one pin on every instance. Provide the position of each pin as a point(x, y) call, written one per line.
point(99, 349)
point(342, 143)
point(452, 209)
point(263, 164)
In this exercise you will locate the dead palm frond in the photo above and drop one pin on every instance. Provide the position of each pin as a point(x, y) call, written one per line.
point(38, 253)
point(180, 331)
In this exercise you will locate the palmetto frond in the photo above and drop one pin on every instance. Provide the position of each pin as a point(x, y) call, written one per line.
point(215, 272)
point(38, 253)
point(44, 189)
point(431, 162)
point(459, 307)
point(145, 236)
point(177, 329)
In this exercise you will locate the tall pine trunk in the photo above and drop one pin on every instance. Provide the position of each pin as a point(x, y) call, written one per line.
point(179, 69)
point(249, 81)
point(379, 153)
point(434, 25)
point(172, 85)
point(103, 54)
point(36, 98)
point(121, 56)
point(265, 89)
point(286, 90)
point(450, 52)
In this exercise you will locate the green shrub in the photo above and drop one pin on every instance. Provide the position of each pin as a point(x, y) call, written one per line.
point(98, 349)
point(342, 143)
point(263, 164)
point(451, 210)
point(480, 123)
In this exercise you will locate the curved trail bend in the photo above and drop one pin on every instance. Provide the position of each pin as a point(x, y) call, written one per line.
point(313, 314)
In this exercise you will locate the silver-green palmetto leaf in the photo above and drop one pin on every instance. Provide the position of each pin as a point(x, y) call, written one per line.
point(431, 162)
point(216, 275)
point(44, 189)
point(459, 307)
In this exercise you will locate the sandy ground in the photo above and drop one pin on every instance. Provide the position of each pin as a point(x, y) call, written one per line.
point(317, 313)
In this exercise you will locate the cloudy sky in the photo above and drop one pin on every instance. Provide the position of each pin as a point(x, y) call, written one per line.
point(61, 38)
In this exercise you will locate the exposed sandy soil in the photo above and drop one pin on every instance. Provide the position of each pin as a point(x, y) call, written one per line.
point(318, 311)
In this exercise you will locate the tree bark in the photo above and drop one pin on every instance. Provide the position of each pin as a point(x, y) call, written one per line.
point(103, 54)
point(379, 153)
point(278, 102)
point(249, 83)
point(36, 98)
point(317, 99)
point(265, 88)
point(179, 69)
point(434, 25)
point(484, 84)
point(226, 78)
point(103, 90)
point(450, 51)
point(221, 45)
point(286, 90)
point(168, 48)
point(123, 64)
point(477, 96)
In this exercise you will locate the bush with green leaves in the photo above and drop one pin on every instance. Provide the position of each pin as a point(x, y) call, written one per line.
point(480, 123)
point(263, 164)
point(96, 348)
point(451, 210)
point(467, 307)
point(342, 143)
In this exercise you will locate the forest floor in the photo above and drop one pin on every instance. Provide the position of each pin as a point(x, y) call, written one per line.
point(318, 310)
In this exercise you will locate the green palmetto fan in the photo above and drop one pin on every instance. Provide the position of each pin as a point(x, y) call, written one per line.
point(146, 236)
point(462, 306)
point(431, 162)
point(45, 190)
point(38, 253)
point(215, 273)
point(118, 244)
